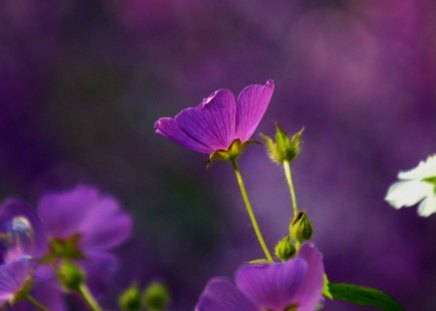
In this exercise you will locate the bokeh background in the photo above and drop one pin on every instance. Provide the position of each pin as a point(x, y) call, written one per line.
point(81, 83)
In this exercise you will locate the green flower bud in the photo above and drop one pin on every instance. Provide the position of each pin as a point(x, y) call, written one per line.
point(156, 297)
point(130, 299)
point(70, 275)
point(284, 249)
point(285, 148)
point(300, 228)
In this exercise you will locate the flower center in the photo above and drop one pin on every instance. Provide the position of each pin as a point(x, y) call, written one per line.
point(431, 180)
point(66, 248)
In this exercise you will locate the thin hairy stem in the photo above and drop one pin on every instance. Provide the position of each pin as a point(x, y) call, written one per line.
point(250, 210)
point(288, 174)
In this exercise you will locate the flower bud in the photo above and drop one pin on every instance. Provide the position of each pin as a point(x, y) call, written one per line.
point(70, 275)
point(300, 229)
point(284, 249)
point(284, 148)
point(130, 299)
point(156, 297)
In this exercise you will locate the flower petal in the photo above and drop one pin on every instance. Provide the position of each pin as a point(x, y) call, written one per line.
point(272, 286)
point(220, 295)
point(62, 213)
point(252, 104)
point(428, 206)
point(310, 293)
point(98, 219)
point(100, 268)
point(13, 275)
point(168, 128)
point(424, 169)
point(48, 293)
point(20, 221)
point(212, 123)
point(106, 225)
point(407, 193)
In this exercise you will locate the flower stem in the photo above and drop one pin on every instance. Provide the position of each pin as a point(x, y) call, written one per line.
point(288, 174)
point(86, 294)
point(250, 210)
point(35, 302)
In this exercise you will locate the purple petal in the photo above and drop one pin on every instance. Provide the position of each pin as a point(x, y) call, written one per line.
point(25, 228)
point(168, 128)
point(62, 213)
point(45, 289)
point(252, 104)
point(100, 268)
point(48, 293)
point(105, 225)
point(98, 219)
point(13, 275)
point(220, 295)
point(310, 292)
point(272, 286)
point(212, 123)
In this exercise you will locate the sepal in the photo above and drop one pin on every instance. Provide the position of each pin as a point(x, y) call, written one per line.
point(235, 149)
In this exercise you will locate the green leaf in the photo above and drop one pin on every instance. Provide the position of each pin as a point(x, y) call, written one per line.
point(364, 296)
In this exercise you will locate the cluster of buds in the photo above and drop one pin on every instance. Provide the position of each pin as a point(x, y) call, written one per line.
point(283, 151)
point(154, 297)
point(300, 230)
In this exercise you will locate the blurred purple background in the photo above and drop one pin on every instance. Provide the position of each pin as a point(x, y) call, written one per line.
point(81, 83)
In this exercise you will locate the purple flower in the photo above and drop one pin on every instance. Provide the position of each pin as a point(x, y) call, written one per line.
point(17, 240)
point(219, 120)
point(22, 243)
point(83, 225)
point(293, 285)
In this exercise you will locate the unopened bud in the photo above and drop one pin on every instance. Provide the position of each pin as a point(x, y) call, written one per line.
point(156, 297)
point(130, 299)
point(285, 148)
point(300, 229)
point(70, 275)
point(284, 249)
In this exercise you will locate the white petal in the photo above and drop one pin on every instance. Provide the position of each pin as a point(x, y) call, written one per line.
point(428, 206)
point(407, 193)
point(424, 169)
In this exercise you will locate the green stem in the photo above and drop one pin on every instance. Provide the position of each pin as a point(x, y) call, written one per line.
point(250, 210)
point(35, 302)
point(288, 174)
point(89, 298)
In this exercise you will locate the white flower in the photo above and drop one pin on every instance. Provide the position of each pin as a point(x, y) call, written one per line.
point(416, 185)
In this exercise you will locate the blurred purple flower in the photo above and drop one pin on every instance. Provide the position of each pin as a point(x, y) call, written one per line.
point(86, 225)
point(22, 242)
point(219, 120)
point(296, 283)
